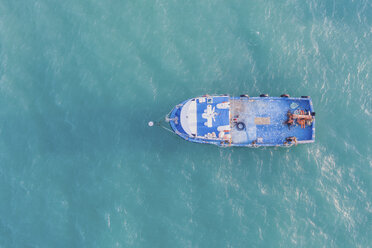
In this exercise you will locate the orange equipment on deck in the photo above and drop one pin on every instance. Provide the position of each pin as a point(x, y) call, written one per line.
point(301, 118)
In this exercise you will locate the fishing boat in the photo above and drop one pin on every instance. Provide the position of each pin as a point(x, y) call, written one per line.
point(245, 121)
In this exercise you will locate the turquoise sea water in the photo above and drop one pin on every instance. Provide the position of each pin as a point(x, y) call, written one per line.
point(79, 80)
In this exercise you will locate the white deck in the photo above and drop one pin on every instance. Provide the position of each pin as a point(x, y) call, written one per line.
point(188, 118)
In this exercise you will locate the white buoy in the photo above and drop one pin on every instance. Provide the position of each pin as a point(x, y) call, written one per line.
point(151, 123)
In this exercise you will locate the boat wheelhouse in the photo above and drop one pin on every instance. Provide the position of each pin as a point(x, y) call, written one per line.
point(245, 121)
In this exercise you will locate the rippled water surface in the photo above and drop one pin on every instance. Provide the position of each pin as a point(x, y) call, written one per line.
point(79, 80)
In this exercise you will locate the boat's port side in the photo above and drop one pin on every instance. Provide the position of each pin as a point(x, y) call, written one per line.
point(269, 121)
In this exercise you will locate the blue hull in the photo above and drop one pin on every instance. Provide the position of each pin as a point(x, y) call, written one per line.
point(245, 121)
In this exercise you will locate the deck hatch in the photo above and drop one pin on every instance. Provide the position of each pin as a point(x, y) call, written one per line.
point(262, 120)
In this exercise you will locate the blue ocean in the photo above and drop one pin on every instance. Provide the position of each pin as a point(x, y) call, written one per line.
point(81, 79)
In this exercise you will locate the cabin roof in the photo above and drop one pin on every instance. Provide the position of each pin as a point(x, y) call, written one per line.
point(213, 115)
